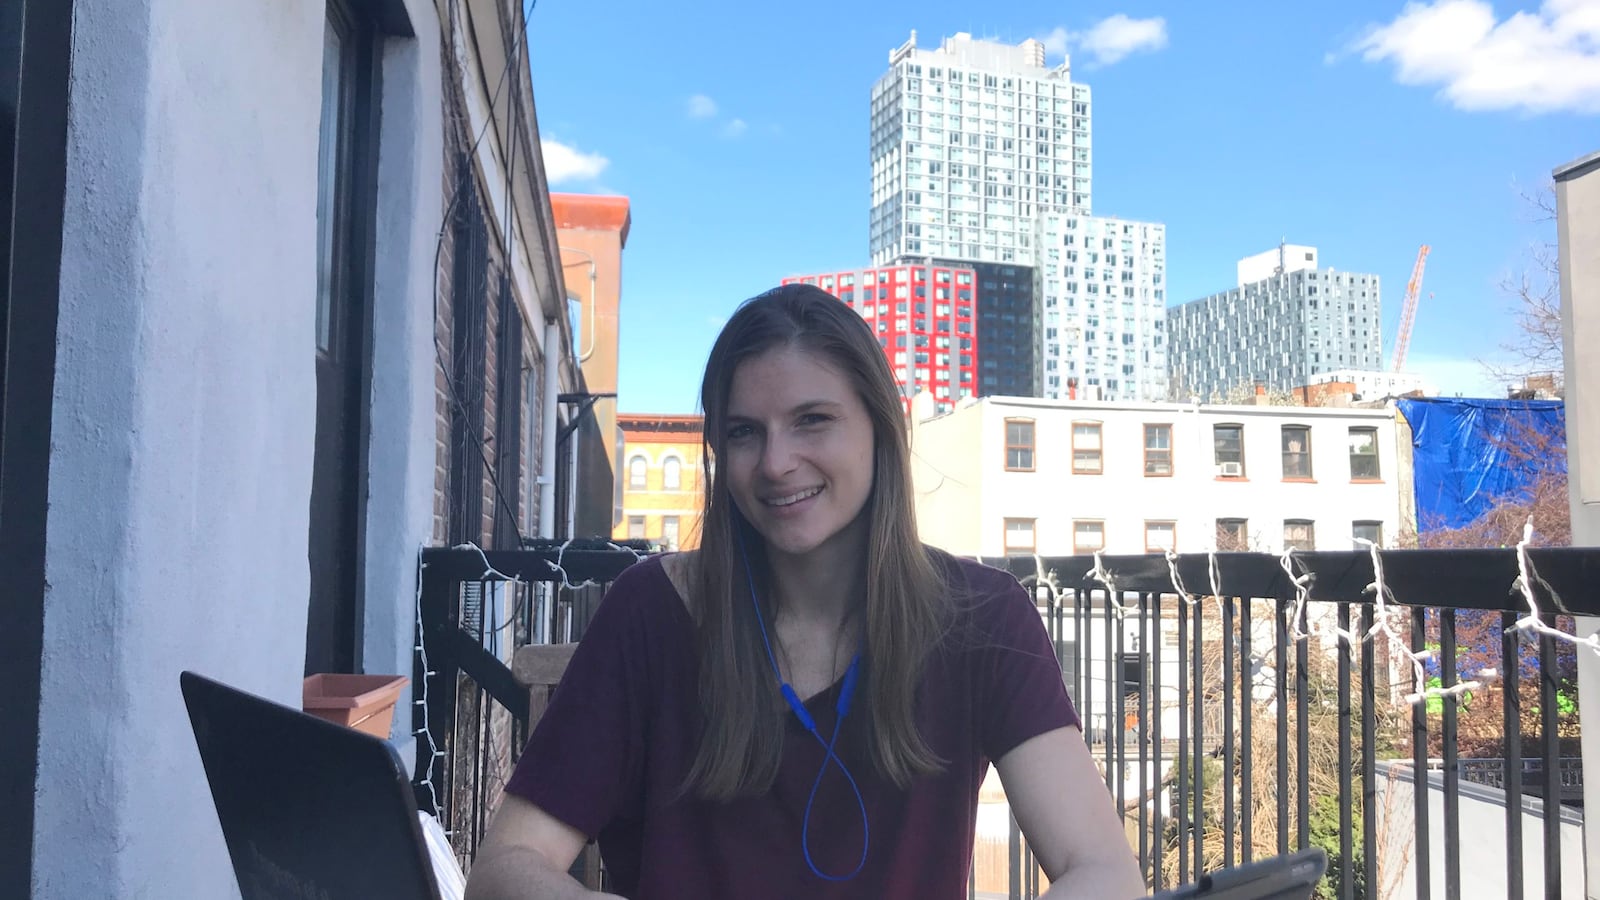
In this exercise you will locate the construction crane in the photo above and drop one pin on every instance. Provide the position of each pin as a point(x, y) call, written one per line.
point(1408, 310)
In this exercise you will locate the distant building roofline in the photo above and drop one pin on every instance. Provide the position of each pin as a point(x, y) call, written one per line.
point(1580, 166)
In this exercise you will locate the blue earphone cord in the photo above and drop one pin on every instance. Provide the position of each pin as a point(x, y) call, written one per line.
point(841, 708)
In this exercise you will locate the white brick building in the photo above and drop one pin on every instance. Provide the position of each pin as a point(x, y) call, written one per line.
point(1010, 475)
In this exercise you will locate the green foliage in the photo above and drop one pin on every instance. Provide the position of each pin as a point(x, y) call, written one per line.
point(1325, 834)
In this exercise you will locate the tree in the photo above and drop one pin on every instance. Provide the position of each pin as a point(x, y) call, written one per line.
point(1534, 348)
point(1543, 499)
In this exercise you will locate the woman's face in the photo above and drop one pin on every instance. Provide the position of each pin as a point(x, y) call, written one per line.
point(798, 451)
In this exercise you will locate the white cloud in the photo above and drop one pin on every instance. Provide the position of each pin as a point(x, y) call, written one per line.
point(702, 107)
point(1057, 42)
point(734, 128)
point(1535, 62)
point(564, 163)
point(1109, 40)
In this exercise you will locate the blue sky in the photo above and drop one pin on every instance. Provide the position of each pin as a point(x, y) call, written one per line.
point(739, 131)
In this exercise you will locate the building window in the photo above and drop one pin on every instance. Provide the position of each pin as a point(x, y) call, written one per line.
point(638, 470)
point(1364, 455)
point(1019, 445)
point(672, 474)
point(1159, 537)
point(636, 528)
point(1366, 531)
point(1229, 443)
point(1233, 535)
point(1299, 534)
point(1086, 458)
point(1088, 536)
point(1296, 451)
point(1157, 450)
point(1020, 536)
point(669, 532)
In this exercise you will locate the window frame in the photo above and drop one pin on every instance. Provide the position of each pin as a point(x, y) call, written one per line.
point(644, 526)
point(1099, 450)
point(643, 482)
point(1241, 535)
point(1170, 523)
point(1311, 534)
point(1031, 447)
point(1216, 452)
point(1360, 523)
point(1149, 428)
point(1081, 549)
point(1006, 547)
point(672, 465)
point(1284, 454)
point(1376, 456)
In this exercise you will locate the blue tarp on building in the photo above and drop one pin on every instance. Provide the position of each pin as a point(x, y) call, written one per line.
point(1465, 455)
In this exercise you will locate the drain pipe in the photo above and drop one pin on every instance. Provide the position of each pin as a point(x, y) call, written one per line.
point(547, 432)
point(551, 390)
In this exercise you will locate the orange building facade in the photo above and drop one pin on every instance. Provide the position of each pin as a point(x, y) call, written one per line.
point(662, 479)
point(593, 231)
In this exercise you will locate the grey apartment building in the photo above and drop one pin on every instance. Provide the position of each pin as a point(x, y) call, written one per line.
point(1286, 321)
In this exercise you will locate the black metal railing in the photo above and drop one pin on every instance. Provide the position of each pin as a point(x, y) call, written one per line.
point(469, 713)
point(1226, 736)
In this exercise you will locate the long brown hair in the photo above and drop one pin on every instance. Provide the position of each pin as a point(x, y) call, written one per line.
point(906, 610)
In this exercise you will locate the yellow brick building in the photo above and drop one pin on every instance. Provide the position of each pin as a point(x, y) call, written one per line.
point(662, 480)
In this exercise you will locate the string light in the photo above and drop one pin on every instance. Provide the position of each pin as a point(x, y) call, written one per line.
point(1383, 624)
point(1045, 579)
point(1534, 620)
point(560, 578)
point(1101, 574)
point(1298, 623)
point(1211, 569)
point(425, 733)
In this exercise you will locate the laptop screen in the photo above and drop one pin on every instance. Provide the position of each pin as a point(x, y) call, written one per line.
point(309, 809)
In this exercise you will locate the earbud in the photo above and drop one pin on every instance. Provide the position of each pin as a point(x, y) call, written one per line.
point(847, 689)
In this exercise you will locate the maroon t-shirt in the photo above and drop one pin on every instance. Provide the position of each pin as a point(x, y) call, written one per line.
point(611, 754)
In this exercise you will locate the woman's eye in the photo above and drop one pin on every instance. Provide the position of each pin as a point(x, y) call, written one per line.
point(739, 432)
point(815, 419)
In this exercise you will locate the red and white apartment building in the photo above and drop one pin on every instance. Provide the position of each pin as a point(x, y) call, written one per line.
point(924, 316)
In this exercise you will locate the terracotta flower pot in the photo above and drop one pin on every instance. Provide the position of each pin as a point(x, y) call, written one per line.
point(363, 702)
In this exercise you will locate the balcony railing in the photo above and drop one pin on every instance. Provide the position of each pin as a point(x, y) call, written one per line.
point(1231, 718)
point(470, 715)
point(1233, 729)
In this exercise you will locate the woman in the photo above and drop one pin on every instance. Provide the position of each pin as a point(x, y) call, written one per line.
point(808, 704)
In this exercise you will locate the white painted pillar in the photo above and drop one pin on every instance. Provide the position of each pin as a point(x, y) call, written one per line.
point(1578, 239)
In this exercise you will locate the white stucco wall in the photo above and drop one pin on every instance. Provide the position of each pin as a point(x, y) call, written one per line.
point(185, 413)
point(965, 496)
point(401, 455)
point(1481, 835)
point(1578, 237)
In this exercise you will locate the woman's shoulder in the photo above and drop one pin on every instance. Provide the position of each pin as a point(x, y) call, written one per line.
point(988, 602)
point(975, 582)
point(647, 590)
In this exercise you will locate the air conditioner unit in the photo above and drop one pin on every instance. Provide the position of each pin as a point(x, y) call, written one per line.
point(1230, 469)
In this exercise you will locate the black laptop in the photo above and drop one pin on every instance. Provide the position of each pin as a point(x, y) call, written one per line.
point(309, 808)
point(1291, 877)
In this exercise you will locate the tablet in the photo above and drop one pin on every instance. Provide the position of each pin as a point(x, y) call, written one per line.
point(1291, 877)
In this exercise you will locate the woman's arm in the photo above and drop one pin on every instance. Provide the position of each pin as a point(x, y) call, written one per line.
point(1060, 801)
point(526, 855)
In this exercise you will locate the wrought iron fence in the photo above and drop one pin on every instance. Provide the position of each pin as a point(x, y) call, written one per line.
point(1243, 726)
point(1230, 727)
point(470, 714)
